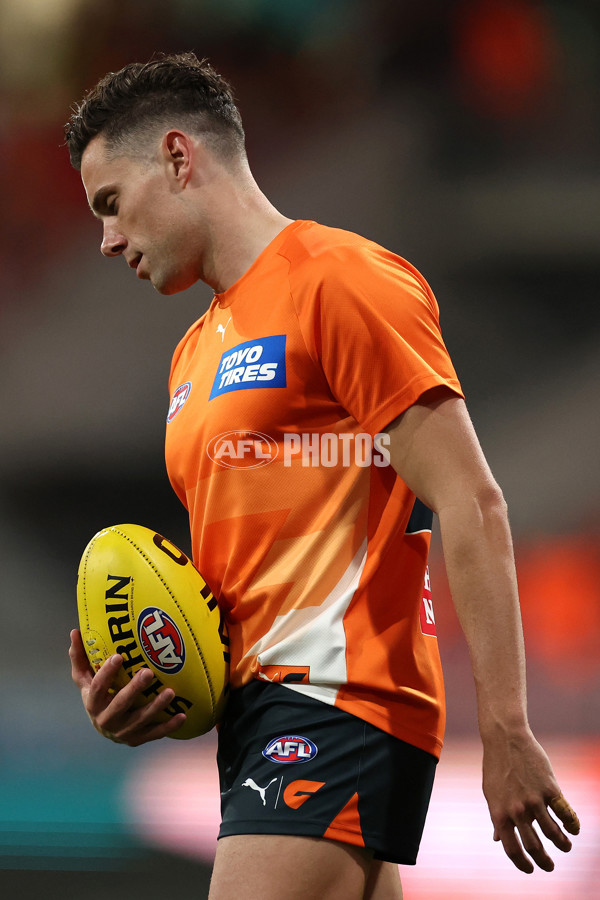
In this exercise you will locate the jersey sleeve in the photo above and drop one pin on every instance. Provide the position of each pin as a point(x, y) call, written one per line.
point(377, 336)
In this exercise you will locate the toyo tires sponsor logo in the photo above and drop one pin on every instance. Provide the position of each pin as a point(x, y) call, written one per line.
point(251, 365)
point(290, 748)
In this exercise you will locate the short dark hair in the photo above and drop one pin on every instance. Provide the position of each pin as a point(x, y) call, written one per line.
point(141, 97)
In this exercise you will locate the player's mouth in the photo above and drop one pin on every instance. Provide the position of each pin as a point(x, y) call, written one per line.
point(135, 264)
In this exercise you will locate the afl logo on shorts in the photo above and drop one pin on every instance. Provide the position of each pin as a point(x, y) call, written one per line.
point(178, 401)
point(161, 640)
point(291, 748)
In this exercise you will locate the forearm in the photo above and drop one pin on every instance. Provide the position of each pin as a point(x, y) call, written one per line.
point(480, 568)
point(435, 451)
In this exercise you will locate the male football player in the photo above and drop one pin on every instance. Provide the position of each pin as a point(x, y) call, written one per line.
point(328, 345)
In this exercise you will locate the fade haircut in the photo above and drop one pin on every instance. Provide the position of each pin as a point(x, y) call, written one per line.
point(134, 105)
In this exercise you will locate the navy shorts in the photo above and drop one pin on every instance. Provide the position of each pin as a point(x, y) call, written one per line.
point(289, 764)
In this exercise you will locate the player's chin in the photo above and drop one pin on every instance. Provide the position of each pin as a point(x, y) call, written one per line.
point(168, 286)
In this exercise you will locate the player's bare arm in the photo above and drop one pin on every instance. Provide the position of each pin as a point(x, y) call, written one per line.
point(433, 447)
point(114, 715)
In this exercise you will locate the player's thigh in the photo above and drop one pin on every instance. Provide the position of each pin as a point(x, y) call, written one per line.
point(289, 867)
point(383, 882)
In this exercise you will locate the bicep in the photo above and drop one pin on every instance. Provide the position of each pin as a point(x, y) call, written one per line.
point(434, 449)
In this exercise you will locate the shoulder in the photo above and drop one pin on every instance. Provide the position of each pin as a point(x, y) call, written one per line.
point(312, 244)
point(333, 260)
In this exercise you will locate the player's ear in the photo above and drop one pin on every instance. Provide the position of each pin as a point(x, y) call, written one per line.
point(177, 150)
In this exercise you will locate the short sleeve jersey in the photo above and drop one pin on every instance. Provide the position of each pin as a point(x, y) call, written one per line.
point(313, 545)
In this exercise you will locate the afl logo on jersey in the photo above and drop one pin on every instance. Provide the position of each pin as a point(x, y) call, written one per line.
point(291, 748)
point(178, 401)
point(161, 640)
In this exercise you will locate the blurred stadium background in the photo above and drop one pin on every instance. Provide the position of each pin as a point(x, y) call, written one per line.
point(465, 136)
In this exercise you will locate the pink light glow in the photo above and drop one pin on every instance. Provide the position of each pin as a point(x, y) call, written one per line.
point(172, 800)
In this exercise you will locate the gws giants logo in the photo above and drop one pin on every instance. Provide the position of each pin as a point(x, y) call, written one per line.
point(298, 792)
point(179, 398)
point(161, 640)
point(291, 748)
point(242, 449)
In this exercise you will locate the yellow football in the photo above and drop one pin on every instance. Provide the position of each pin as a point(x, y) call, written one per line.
point(140, 596)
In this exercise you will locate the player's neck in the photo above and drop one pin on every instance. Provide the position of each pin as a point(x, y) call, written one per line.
point(246, 224)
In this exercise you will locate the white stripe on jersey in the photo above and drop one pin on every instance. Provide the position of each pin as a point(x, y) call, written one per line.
point(314, 636)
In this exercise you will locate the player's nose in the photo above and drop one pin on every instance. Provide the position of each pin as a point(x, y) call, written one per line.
point(113, 242)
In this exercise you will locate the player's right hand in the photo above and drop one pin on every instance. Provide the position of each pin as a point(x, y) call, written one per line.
point(113, 714)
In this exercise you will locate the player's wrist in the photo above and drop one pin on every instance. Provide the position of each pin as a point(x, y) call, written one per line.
point(495, 724)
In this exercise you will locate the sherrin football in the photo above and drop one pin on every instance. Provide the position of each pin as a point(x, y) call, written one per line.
point(140, 596)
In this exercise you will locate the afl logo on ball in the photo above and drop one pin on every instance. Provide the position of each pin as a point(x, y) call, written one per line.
point(161, 640)
point(178, 400)
point(291, 748)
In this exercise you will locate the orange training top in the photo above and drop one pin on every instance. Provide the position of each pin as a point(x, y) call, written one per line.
point(314, 547)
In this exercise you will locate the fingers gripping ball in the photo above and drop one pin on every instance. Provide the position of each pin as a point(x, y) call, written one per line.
point(140, 596)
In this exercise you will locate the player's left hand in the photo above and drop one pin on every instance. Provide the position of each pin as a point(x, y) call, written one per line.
point(520, 788)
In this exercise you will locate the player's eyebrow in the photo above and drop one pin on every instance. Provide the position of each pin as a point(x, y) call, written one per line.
point(98, 204)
